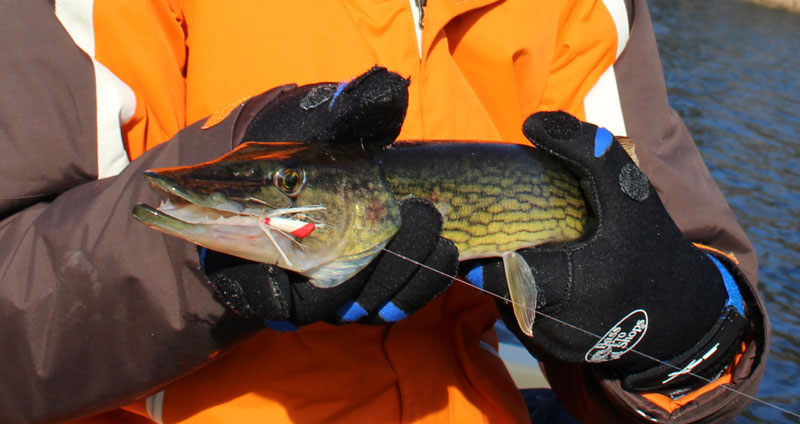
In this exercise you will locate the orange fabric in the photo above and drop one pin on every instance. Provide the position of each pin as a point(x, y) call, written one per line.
point(220, 114)
point(143, 44)
point(730, 256)
point(485, 66)
point(671, 405)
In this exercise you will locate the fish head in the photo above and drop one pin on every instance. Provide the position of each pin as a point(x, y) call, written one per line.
point(321, 210)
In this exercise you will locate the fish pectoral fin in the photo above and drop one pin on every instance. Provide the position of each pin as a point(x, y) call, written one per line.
point(522, 289)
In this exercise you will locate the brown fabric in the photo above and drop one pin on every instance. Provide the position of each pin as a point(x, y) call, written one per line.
point(81, 302)
point(673, 163)
point(47, 107)
point(667, 152)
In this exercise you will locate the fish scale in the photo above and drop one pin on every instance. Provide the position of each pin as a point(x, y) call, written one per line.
point(523, 199)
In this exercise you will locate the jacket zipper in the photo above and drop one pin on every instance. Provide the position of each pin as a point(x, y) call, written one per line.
point(418, 14)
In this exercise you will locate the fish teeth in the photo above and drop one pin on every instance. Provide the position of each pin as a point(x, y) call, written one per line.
point(166, 205)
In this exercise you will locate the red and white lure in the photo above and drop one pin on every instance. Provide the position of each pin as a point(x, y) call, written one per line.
point(296, 228)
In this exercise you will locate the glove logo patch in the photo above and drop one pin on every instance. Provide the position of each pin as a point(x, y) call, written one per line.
point(620, 339)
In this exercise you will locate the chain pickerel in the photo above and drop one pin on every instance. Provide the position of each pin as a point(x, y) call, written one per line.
point(325, 211)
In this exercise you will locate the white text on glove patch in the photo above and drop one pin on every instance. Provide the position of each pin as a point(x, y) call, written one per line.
point(620, 339)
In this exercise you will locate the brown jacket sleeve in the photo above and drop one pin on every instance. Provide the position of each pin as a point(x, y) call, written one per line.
point(96, 308)
point(99, 308)
point(669, 156)
point(47, 108)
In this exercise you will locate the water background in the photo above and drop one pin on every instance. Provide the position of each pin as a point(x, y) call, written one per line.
point(733, 74)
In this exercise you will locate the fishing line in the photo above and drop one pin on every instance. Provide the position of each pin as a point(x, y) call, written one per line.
point(587, 332)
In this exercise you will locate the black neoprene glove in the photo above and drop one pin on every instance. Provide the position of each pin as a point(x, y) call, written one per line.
point(366, 113)
point(633, 284)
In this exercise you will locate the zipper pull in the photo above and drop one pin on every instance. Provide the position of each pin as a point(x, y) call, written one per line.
point(421, 8)
point(417, 13)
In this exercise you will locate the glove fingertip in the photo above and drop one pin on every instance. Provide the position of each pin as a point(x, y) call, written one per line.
point(556, 124)
point(487, 275)
point(474, 276)
point(602, 142)
point(351, 311)
point(389, 312)
point(564, 136)
point(423, 213)
point(379, 94)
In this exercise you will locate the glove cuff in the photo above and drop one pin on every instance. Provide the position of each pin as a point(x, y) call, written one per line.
point(708, 358)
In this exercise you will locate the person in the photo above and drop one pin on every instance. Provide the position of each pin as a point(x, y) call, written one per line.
point(105, 320)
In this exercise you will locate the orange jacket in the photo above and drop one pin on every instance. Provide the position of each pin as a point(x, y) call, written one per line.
point(484, 66)
point(479, 68)
point(104, 311)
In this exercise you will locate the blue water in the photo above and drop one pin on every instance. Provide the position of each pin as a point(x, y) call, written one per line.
point(733, 74)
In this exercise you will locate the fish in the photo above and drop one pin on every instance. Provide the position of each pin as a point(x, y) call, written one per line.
point(326, 210)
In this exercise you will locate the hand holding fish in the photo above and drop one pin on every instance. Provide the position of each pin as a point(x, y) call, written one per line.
point(327, 208)
point(264, 214)
point(387, 290)
point(623, 281)
point(632, 284)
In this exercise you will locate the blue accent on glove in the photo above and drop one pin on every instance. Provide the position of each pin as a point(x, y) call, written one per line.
point(282, 326)
point(602, 141)
point(336, 94)
point(351, 311)
point(734, 295)
point(475, 276)
point(202, 252)
point(391, 313)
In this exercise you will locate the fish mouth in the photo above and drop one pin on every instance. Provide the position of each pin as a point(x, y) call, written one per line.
point(272, 236)
point(178, 214)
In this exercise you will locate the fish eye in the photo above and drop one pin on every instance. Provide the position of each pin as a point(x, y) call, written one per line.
point(290, 181)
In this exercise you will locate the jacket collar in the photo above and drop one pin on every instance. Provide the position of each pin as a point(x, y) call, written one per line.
point(438, 13)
